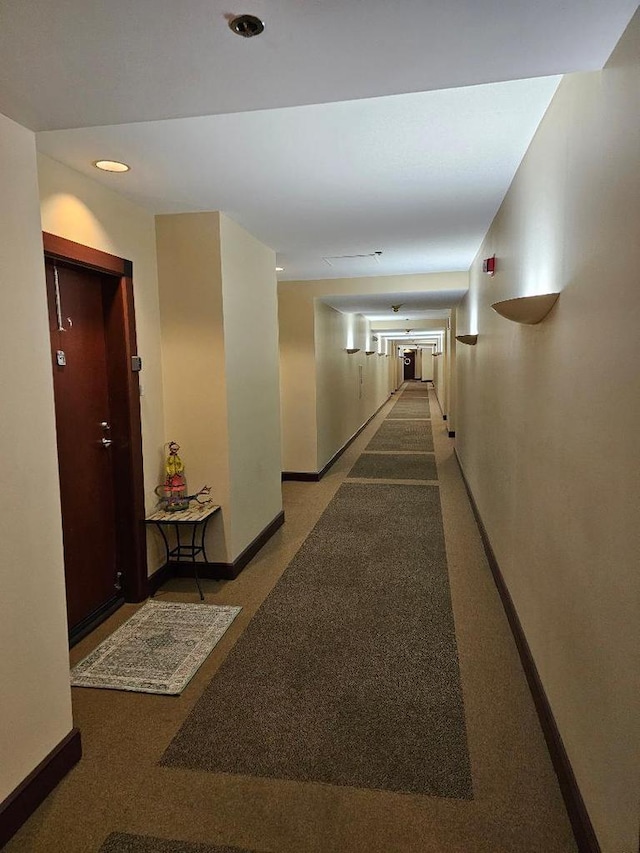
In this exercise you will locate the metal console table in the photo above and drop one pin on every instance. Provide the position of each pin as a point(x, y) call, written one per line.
point(197, 516)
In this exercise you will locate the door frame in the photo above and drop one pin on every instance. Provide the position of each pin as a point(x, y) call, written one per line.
point(124, 385)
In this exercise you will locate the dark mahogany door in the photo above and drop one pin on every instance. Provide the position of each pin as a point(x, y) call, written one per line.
point(410, 365)
point(77, 316)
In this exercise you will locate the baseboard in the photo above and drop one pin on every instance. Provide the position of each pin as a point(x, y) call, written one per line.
point(26, 798)
point(226, 571)
point(304, 476)
point(91, 622)
point(160, 576)
point(583, 831)
point(316, 476)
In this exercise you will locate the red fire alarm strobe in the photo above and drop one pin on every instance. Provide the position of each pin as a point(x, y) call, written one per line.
point(489, 265)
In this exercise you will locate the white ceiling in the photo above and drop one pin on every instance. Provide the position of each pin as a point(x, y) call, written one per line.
point(93, 62)
point(344, 129)
point(418, 177)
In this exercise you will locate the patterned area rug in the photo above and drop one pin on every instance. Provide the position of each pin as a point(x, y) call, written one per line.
point(120, 842)
point(158, 650)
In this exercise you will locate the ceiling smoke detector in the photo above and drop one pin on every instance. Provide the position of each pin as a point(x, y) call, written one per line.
point(246, 26)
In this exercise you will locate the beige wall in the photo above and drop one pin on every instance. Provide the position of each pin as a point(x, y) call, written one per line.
point(305, 442)
point(427, 365)
point(297, 382)
point(450, 367)
point(218, 306)
point(379, 284)
point(250, 307)
point(350, 388)
point(190, 282)
point(35, 696)
point(79, 209)
point(548, 423)
point(438, 363)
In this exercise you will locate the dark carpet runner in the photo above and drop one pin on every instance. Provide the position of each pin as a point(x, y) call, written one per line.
point(395, 466)
point(120, 842)
point(399, 435)
point(348, 673)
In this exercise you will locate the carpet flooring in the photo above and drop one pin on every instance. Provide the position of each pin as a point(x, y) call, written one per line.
point(392, 466)
point(410, 405)
point(348, 674)
point(119, 842)
point(121, 785)
point(394, 435)
point(409, 411)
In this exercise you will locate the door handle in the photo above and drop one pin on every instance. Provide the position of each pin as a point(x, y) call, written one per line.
point(107, 442)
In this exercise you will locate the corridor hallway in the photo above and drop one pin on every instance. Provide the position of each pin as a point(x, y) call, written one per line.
point(476, 778)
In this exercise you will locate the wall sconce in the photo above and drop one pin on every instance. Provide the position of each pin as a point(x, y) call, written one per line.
point(351, 350)
point(470, 340)
point(526, 309)
point(489, 265)
point(369, 352)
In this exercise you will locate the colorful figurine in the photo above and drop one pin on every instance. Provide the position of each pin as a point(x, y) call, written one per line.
point(173, 492)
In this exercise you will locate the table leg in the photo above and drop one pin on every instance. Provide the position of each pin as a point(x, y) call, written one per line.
point(195, 562)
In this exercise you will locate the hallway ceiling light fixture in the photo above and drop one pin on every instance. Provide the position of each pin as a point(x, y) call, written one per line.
point(396, 308)
point(111, 166)
point(470, 340)
point(526, 309)
point(246, 26)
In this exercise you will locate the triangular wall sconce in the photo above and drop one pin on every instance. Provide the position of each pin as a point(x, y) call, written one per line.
point(470, 340)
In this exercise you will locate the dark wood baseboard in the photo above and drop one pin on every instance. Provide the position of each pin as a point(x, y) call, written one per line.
point(160, 576)
point(316, 476)
point(303, 476)
point(26, 798)
point(91, 622)
point(583, 831)
point(218, 571)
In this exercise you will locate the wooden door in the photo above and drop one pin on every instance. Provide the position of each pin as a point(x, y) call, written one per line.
point(409, 365)
point(77, 316)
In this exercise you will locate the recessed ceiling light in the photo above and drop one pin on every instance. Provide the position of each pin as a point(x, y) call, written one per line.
point(111, 166)
point(246, 26)
point(279, 269)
